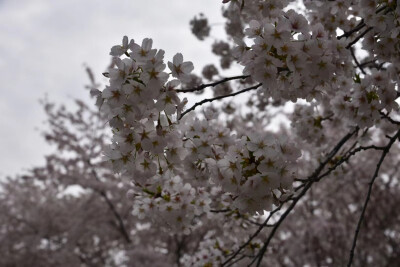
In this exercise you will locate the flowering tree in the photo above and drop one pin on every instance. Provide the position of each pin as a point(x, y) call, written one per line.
point(188, 169)
point(218, 187)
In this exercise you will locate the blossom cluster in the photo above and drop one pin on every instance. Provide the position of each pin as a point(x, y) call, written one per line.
point(377, 21)
point(364, 99)
point(210, 251)
point(291, 58)
point(298, 57)
point(182, 167)
point(143, 108)
point(258, 170)
point(308, 124)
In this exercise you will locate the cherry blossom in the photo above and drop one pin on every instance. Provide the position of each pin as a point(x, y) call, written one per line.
point(286, 174)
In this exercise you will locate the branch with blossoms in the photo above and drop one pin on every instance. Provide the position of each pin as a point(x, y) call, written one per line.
point(361, 35)
point(360, 25)
point(314, 177)
point(308, 185)
point(254, 235)
point(186, 170)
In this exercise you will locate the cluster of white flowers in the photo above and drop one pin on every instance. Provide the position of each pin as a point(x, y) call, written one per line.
point(169, 201)
point(179, 166)
point(143, 107)
point(182, 166)
point(364, 98)
point(295, 58)
point(308, 124)
point(258, 170)
point(223, 50)
point(210, 252)
point(379, 21)
point(290, 62)
point(382, 16)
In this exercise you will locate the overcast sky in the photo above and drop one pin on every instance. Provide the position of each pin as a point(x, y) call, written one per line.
point(44, 44)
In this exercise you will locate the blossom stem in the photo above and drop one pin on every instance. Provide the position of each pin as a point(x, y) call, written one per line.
point(218, 98)
point(203, 86)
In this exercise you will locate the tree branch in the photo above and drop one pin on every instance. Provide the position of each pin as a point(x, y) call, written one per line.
point(356, 61)
point(203, 86)
point(360, 25)
point(311, 180)
point(371, 183)
point(356, 28)
point(218, 98)
point(251, 237)
point(386, 116)
point(358, 37)
point(121, 226)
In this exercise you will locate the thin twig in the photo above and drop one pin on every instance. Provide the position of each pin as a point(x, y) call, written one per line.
point(203, 86)
point(218, 98)
point(281, 219)
point(371, 183)
point(346, 158)
point(219, 211)
point(252, 236)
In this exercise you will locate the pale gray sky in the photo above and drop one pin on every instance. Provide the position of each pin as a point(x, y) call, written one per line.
point(44, 44)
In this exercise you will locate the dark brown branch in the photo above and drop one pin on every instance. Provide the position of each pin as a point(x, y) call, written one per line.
point(218, 98)
point(121, 225)
point(310, 180)
point(371, 183)
point(366, 63)
point(355, 29)
point(239, 259)
point(347, 155)
point(264, 224)
point(358, 37)
point(179, 247)
point(307, 186)
point(260, 255)
point(356, 61)
point(346, 158)
point(386, 116)
point(219, 211)
point(359, 26)
point(203, 86)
